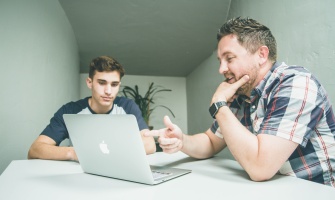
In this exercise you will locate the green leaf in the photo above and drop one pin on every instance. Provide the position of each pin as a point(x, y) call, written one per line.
point(146, 102)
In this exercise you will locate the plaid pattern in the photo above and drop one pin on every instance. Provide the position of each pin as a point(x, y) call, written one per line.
point(291, 103)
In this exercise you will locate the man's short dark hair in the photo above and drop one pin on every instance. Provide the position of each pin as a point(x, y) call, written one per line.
point(105, 64)
point(250, 34)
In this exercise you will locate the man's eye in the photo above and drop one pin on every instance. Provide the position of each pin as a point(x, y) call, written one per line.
point(115, 84)
point(229, 59)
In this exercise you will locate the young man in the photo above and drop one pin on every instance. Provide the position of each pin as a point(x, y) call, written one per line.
point(272, 117)
point(104, 81)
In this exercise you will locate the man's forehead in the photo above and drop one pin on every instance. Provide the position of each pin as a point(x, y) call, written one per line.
point(113, 76)
point(227, 45)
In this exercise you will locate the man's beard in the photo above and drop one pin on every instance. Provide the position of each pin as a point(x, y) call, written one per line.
point(248, 86)
point(243, 90)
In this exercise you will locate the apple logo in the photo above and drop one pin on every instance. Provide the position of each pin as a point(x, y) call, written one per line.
point(103, 147)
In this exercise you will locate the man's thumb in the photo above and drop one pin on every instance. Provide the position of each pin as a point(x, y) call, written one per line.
point(168, 122)
point(242, 81)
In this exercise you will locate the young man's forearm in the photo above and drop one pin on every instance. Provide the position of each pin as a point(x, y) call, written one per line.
point(49, 152)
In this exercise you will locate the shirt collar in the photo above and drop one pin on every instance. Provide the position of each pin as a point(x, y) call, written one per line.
point(257, 92)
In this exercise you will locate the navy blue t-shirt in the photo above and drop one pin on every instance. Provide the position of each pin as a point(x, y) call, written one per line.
point(58, 131)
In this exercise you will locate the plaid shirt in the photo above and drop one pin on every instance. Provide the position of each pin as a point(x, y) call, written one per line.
point(291, 103)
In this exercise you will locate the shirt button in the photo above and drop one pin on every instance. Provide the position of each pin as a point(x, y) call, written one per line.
point(253, 109)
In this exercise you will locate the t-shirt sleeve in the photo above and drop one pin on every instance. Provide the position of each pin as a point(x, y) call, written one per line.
point(56, 129)
point(135, 110)
point(216, 129)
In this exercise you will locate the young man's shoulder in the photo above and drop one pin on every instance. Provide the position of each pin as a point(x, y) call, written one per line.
point(121, 100)
point(74, 107)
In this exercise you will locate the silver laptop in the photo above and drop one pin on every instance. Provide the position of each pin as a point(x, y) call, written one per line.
point(111, 146)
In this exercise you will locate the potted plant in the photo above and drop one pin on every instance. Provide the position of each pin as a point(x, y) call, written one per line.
point(146, 102)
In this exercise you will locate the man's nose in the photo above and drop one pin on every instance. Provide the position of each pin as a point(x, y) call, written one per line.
point(223, 68)
point(108, 89)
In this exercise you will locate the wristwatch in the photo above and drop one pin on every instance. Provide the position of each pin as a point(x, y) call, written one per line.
point(215, 107)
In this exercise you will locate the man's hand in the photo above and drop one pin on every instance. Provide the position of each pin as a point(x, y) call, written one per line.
point(227, 92)
point(170, 138)
point(45, 148)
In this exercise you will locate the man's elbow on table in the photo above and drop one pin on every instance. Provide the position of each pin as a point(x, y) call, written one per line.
point(35, 151)
point(260, 175)
point(260, 171)
point(31, 154)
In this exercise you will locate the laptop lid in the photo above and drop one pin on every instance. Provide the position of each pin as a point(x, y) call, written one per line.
point(111, 146)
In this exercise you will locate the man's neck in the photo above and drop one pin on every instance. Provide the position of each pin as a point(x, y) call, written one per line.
point(98, 109)
point(263, 71)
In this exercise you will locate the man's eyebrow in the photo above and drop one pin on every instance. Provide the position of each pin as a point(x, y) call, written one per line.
point(103, 80)
point(225, 53)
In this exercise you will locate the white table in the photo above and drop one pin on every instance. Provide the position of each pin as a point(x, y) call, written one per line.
point(214, 178)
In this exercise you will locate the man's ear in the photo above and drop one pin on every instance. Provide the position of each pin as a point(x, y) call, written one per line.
point(263, 53)
point(89, 82)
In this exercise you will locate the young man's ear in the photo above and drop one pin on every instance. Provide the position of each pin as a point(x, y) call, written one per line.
point(89, 82)
point(263, 53)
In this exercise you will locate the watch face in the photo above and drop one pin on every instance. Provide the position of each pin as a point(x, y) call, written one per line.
point(212, 110)
point(215, 106)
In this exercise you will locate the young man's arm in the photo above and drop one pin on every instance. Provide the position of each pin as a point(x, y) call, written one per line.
point(45, 148)
point(149, 142)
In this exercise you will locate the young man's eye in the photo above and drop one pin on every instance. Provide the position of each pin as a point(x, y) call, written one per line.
point(115, 84)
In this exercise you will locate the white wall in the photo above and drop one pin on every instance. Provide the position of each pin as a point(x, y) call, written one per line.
point(304, 30)
point(175, 100)
point(39, 71)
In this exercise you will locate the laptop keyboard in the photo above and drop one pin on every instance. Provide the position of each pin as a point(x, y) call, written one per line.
point(158, 174)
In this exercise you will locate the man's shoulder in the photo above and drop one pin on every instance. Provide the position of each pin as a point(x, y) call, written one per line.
point(282, 73)
point(283, 70)
point(121, 100)
point(74, 107)
point(128, 105)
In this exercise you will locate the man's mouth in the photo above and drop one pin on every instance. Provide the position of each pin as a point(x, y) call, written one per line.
point(230, 80)
point(106, 98)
